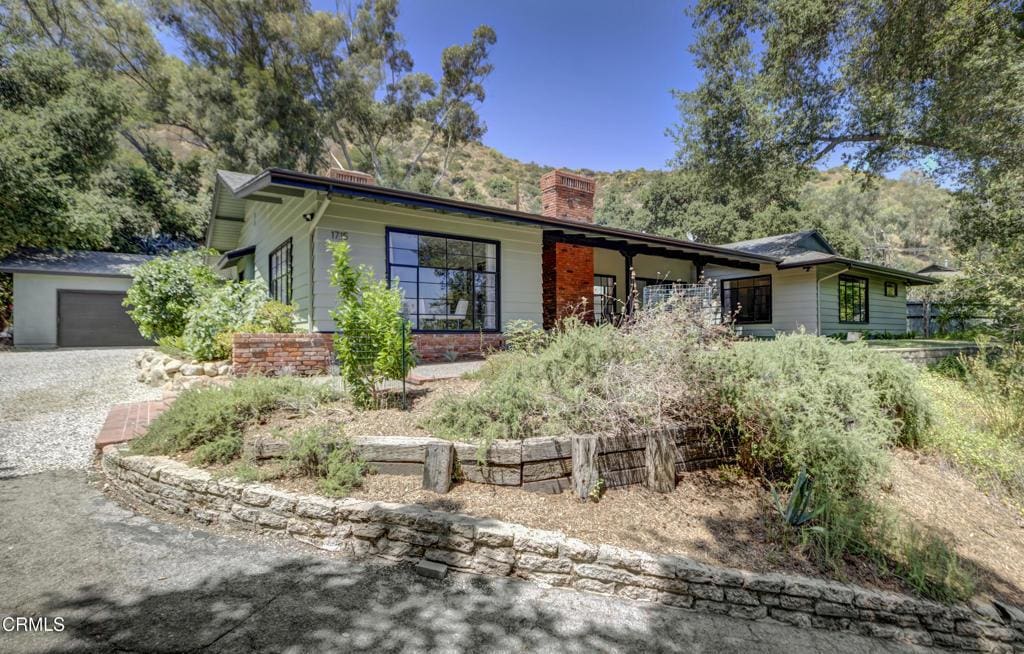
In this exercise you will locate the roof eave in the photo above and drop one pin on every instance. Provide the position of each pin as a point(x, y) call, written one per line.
point(915, 279)
point(282, 177)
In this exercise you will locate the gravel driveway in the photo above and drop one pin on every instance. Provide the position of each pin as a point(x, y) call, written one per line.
point(53, 403)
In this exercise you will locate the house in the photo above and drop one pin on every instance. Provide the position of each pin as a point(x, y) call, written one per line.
point(72, 299)
point(466, 269)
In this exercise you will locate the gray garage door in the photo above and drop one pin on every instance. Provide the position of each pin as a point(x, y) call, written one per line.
point(94, 319)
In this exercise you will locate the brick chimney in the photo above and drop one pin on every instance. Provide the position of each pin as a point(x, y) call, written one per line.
point(351, 176)
point(567, 195)
point(567, 271)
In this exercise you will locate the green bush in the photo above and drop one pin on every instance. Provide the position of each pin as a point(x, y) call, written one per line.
point(234, 307)
point(165, 289)
point(524, 336)
point(214, 419)
point(324, 453)
point(373, 341)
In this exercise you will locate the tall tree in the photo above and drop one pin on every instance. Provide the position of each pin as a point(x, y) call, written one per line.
point(257, 78)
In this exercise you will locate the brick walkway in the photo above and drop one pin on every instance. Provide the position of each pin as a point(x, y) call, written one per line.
point(126, 421)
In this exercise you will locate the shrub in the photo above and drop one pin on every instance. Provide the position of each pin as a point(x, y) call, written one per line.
point(234, 307)
point(173, 346)
point(326, 455)
point(164, 290)
point(373, 341)
point(214, 419)
point(523, 336)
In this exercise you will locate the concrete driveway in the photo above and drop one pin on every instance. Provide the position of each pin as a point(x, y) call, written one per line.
point(53, 402)
point(124, 582)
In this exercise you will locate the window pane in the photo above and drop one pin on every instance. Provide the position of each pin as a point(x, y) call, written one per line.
point(433, 275)
point(403, 273)
point(432, 291)
point(432, 251)
point(461, 261)
point(404, 257)
point(460, 248)
point(406, 241)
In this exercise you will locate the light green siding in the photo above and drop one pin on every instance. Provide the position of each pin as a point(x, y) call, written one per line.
point(269, 225)
point(793, 298)
point(364, 225)
point(35, 303)
point(885, 314)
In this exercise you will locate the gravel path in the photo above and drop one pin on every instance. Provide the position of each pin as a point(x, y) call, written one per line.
point(53, 403)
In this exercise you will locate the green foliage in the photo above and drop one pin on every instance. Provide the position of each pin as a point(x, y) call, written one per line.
point(214, 419)
point(501, 188)
point(326, 455)
point(797, 510)
point(232, 308)
point(980, 406)
point(164, 291)
point(524, 336)
point(174, 346)
point(373, 341)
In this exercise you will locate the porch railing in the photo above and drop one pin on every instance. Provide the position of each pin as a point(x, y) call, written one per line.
point(701, 297)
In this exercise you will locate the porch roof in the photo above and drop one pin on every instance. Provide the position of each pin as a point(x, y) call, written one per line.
point(277, 181)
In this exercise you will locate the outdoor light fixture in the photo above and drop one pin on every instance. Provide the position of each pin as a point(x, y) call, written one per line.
point(308, 217)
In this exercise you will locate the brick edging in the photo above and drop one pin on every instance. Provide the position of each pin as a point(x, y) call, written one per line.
point(485, 546)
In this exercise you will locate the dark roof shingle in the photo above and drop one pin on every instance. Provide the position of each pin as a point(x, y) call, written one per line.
point(73, 262)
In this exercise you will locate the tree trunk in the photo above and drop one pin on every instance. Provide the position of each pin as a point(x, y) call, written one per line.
point(584, 465)
point(660, 460)
point(437, 471)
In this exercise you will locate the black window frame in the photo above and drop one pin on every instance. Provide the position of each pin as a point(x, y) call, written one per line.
point(895, 289)
point(609, 300)
point(274, 277)
point(853, 279)
point(389, 231)
point(728, 311)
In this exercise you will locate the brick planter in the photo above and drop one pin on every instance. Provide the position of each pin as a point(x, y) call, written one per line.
point(282, 354)
point(485, 546)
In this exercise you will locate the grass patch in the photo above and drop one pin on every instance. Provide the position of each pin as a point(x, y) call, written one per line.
point(980, 418)
point(212, 421)
point(323, 453)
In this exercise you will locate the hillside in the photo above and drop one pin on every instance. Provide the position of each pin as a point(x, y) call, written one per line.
point(898, 222)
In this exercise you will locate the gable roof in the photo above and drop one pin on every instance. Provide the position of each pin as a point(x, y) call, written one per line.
point(785, 246)
point(73, 262)
point(811, 248)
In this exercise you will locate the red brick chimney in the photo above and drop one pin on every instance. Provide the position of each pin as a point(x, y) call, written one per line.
point(567, 270)
point(351, 176)
point(567, 195)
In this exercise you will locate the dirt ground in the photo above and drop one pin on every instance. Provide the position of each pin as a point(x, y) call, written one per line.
point(988, 534)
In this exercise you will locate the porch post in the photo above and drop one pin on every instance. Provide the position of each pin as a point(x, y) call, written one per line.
point(628, 256)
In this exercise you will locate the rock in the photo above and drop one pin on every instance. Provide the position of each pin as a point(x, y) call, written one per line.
point(157, 375)
point(191, 370)
point(431, 569)
point(172, 366)
point(210, 369)
point(224, 369)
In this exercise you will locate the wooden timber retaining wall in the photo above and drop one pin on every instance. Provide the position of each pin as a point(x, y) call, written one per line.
point(542, 465)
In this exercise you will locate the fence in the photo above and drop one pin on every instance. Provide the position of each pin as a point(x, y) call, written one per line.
point(701, 297)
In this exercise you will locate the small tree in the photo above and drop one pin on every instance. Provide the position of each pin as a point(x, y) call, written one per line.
point(164, 291)
point(373, 341)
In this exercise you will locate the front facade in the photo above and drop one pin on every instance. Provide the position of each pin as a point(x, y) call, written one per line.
point(468, 270)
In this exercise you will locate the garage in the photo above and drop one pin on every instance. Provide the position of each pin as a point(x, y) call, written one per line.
point(72, 298)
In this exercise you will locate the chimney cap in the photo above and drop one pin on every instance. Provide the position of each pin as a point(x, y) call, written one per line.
point(351, 176)
point(559, 177)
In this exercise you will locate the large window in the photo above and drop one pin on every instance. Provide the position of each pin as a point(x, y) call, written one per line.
point(747, 300)
point(280, 273)
point(604, 298)
point(853, 299)
point(449, 283)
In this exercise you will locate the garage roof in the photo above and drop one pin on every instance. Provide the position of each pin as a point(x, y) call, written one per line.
point(73, 262)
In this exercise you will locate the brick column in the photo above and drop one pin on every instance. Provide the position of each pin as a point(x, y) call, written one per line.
point(567, 270)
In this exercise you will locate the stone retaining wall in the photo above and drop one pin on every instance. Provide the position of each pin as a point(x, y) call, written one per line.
point(484, 546)
point(925, 356)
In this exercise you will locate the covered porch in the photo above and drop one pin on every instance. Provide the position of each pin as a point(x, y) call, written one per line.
point(602, 279)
